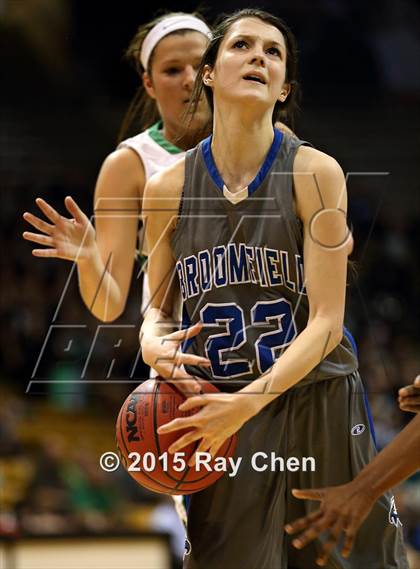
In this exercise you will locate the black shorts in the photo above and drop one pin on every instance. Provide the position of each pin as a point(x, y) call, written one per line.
point(238, 522)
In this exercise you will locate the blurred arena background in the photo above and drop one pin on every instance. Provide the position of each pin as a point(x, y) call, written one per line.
point(64, 93)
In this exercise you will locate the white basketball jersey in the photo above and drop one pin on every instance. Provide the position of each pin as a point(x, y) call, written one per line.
point(156, 154)
point(154, 150)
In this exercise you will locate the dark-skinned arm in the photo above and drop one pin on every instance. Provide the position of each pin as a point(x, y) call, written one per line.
point(344, 508)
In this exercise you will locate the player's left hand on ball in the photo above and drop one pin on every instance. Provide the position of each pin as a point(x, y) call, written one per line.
point(342, 510)
point(221, 415)
point(409, 397)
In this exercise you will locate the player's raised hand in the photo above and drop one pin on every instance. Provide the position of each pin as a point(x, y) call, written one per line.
point(409, 397)
point(343, 509)
point(164, 354)
point(71, 239)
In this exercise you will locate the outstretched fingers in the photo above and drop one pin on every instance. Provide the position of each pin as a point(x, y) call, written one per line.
point(331, 542)
point(190, 359)
point(315, 529)
point(38, 223)
point(177, 359)
point(75, 210)
point(350, 534)
point(37, 238)
point(309, 493)
point(46, 253)
point(186, 334)
point(48, 211)
point(302, 523)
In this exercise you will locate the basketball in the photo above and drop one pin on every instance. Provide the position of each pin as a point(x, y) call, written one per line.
point(144, 453)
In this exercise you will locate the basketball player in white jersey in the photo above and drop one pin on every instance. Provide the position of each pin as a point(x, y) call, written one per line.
point(166, 53)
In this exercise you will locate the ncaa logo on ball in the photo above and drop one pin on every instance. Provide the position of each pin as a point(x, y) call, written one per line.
point(131, 420)
point(358, 429)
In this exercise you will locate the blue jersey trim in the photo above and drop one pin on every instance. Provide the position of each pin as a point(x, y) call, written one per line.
point(268, 162)
point(370, 418)
point(186, 498)
point(351, 339)
point(262, 173)
point(210, 163)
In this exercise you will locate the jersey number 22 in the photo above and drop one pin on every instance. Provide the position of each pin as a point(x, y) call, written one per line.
point(277, 313)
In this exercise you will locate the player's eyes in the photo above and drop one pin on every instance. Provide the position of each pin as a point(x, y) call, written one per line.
point(172, 70)
point(274, 51)
point(240, 44)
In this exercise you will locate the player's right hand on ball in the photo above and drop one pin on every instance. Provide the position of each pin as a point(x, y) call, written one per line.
point(163, 354)
point(71, 239)
point(409, 397)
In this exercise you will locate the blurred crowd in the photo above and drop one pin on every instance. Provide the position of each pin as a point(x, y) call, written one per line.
point(52, 484)
point(50, 473)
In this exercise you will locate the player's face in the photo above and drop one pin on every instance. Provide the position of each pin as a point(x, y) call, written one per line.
point(176, 59)
point(251, 64)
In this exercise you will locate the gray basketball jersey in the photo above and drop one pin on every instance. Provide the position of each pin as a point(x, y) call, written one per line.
point(240, 268)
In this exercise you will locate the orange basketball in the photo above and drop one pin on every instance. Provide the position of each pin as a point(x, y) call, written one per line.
point(144, 453)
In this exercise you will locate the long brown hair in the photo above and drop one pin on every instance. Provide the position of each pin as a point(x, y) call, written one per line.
point(283, 111)
point(143, 111)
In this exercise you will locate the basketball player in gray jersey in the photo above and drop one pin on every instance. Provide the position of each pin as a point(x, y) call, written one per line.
point(253, 223)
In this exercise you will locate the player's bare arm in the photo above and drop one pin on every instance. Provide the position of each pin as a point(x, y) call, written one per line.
point(104, 257)
point(344, 508)
point(321, 204)
point(160, 340)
